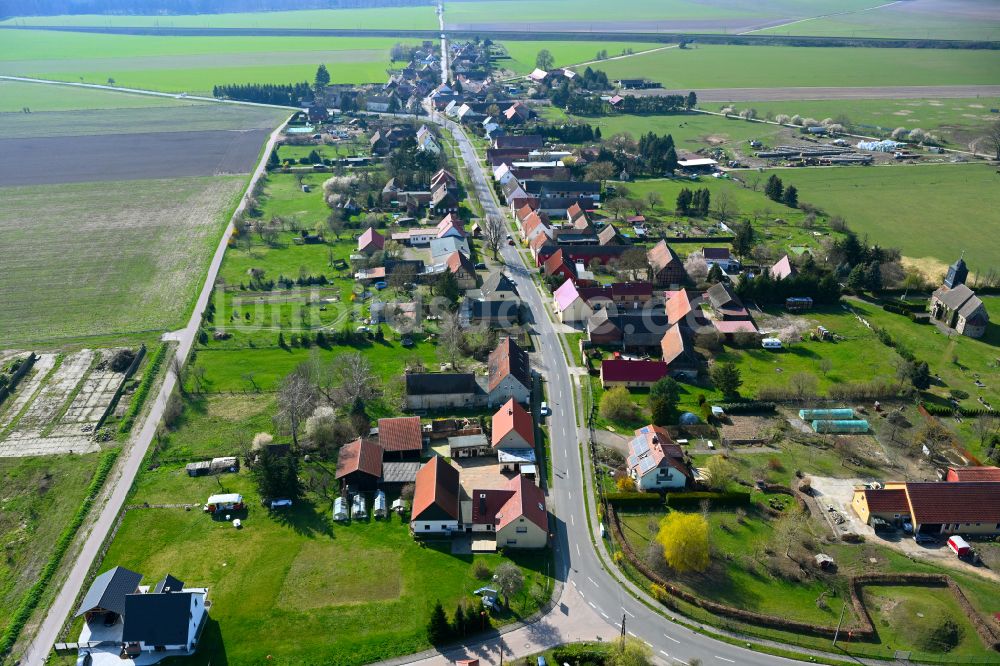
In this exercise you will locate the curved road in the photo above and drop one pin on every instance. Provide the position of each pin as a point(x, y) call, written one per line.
point(593, 602)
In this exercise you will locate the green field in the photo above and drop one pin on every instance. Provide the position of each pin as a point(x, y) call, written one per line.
point(191, 64)
point(957, 121)
point(384, 18)
point(131, 261)
point(38, 496)
point(563, 53)
point(710, 66)
point(928, 210)
point(15, 96)
point(296, 587)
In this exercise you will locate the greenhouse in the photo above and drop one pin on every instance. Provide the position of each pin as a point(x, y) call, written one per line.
point(840, 426)
point(825, 414)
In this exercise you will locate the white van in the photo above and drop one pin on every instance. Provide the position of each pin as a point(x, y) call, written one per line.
point(770, 343)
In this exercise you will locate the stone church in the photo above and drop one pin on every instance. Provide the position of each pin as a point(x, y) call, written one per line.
point(957, 306)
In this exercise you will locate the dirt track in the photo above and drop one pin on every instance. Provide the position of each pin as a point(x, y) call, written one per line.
point(781, 94)
point(112, 157)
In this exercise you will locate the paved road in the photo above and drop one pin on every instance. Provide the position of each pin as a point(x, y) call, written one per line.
point(577, 564)
point(824, 93)
point(129, 463)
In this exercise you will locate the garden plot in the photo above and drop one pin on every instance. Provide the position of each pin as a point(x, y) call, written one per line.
point(59, 408)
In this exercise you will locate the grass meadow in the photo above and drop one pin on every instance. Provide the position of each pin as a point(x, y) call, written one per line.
point(15, 96)
point(523, 53)
point(93, 258)
point(713, 66)
point(39, 496)
point(970, 19)
point(191, 64)
point(293, 587)
point(934, 210)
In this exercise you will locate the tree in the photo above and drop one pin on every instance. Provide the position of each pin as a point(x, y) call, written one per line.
point(617, 405)
point(494, 234)
point(743, 239)
point(321, 428)
point(276, 475)
point(986, 427)
point(856, 279)
point(715, 274)
point(458, 621)
point(630, 651)
point(322, 77)
point(653, 199)
point(791, 197)
point(692, 100)
point(407, 491)
point(438, 629)
point(448, 289)
point(544, 60)
point(451, 340)
point(295, 401)
point(920, 376)
point(684, 538)
point(726, 207)
point(663, 398)
point(992, 138)
point(719, 472)
point(509, 579)
point(617, 207)
point(600, 171)
point(774, 188)
point(803, 385)
point(696, 267)
point(684, 199)
point(726, 377)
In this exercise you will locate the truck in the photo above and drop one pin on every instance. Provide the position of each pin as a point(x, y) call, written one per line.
point(959, 546)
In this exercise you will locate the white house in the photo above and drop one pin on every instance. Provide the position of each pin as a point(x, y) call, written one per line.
point(570, 305)
point(425, 141)
point(655, 462)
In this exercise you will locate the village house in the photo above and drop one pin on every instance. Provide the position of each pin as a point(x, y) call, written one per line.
point(426, 141)
point(444, 390)
point(525, 142)
point(359, 466)
point(442, 248)
point(558, 264)
point(721, 257)
point(630, 330)
point(631, 373)
point(436, 495)
point(510, 375)
point(676, 350)
point(512, 427)
point(655, 462)
point(461, 267)
point(955, 507)
point(783, 269)
point(370, 241)
point(516, 515)
point(667, 267)
point(730, 317)
point(576, 304)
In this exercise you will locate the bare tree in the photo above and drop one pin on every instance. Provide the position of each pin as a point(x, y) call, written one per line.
point(451, 340)
point(494, 234)
point(803, 385)
point(353, 379)
point(632, 262)
point(986, 426)
point(696, 267)
point(653, 199)
point(600, 171)
point(992, 138)
point(725, 205)
point(295, 402)
point(509, 579)
point(617, 207)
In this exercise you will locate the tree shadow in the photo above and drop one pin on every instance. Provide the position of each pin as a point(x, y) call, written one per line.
point(304, 518)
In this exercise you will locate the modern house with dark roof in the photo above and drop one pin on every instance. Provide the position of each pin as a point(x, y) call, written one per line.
point(359, 465)
point(509, 374)
point(436, 499)
point(125, 620)
point(655, 461)
point(444, 390)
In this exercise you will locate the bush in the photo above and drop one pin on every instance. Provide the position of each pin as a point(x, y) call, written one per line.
point(692, 499)
point(581, 654)
point(141, 393)
point(481, 570)
point(634, 499)
point(32, 597)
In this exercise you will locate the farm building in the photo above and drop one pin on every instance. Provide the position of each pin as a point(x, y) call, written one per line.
point(631, 374)
point(444, 390)
point(401, 438)
point(984, 473)
point(469, 446)
point(934, 508)
point(435, 499)
point(509, 374)
point(359, 465)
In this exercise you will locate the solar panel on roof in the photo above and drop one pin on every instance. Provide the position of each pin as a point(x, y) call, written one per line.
point(646, 464)
point(633, 461)
point(640, 446)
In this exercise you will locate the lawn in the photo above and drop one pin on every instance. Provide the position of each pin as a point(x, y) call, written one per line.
point(131, 261)
point(711, 66)
point(295, 586)
point(910, 615)
point(957, 121)
point(382, 18)
point(935, 211)
point(191, 64)
point(39, 496)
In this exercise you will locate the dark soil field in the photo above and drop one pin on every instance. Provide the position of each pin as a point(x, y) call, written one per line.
point(109, 157)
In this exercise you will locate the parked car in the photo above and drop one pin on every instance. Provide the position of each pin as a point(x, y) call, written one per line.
point(480, 266)
point(84, 659)
point(924, 538)
point(544, 409)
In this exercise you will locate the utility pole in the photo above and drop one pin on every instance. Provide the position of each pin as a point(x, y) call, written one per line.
point(843, 609)
point(623, 626)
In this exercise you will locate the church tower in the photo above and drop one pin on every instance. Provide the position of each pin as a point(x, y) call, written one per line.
point(958, 272)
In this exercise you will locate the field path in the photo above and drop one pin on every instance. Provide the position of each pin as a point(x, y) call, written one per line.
point(826, 93)
point(821, 16)
point(129, 463)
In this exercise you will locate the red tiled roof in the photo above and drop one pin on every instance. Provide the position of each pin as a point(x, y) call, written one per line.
point(539, 240)
point(372, 238)
point(513, 417)
point(524, 211)
point(678, 306)
point(457, 261)
point(400, 434)
point(956, 502)
point(659, 447)
point(672, 344)
point(486, 504)
point(361, 455)
point(991, 474)
point(436, 486)
point(620, 370)
point(661, 256)
point(508, 359)
point(555, 262)
point(890, 500)
point(528, 500)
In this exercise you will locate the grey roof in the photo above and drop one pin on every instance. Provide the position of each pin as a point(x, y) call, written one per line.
point(108, 591)
point(400, 472)
point(506, 312)
point(439, 383)
point(720, 295)
point(157, 619)
point(544, 186)
point(170, 584)
point(465, 441)
point(442, 247)
point(960, 299)
point(497, 282)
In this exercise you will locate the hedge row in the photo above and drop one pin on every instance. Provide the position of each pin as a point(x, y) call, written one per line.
point(634, 499)
point(906, 312)
point(581, 654)
point(31, 598)
point(748, 406)
point(734, 498)
point(148, 377)
point(942, 410)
